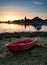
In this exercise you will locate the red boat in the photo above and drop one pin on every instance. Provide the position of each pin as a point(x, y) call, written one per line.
point(21, 45)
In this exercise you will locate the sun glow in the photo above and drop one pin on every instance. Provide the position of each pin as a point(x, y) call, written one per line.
point(10, 18)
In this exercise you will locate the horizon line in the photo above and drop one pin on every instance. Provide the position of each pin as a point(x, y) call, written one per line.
point(22, 19)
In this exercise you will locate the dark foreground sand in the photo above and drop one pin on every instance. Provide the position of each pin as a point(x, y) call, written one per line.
point(34, 56)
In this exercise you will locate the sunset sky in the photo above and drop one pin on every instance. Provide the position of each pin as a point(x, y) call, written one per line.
point(18, 9)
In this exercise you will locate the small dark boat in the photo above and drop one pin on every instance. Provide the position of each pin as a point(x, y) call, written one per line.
point(21, 45)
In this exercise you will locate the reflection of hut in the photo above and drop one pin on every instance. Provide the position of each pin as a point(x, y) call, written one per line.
point(38, 27)
point(25, 26)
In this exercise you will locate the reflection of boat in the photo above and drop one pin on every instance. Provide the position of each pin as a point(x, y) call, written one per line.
point(21, 45)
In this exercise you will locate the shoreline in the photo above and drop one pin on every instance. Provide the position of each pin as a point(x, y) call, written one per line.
point(23, 34)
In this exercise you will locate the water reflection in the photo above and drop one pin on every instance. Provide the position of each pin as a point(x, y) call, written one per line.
point(18, 28)
point(43, 28)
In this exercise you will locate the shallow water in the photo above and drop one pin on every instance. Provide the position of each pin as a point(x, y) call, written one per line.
point(19, 28)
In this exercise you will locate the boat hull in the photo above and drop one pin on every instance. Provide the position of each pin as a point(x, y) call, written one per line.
point(21, 45)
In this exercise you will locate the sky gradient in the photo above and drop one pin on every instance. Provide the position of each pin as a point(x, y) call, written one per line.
point(18, 9)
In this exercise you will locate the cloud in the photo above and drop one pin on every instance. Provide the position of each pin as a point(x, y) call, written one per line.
point(37, 2)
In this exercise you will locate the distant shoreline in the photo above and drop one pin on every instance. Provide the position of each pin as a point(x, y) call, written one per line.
point(22, 34)
point(36, 22)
